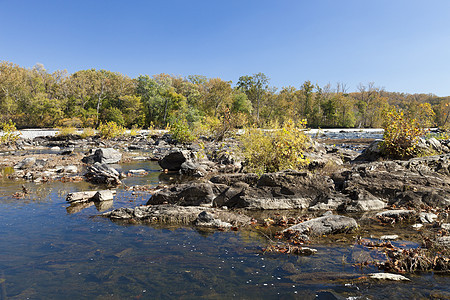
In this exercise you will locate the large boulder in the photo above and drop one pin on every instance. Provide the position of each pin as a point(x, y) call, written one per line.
point(329, 224)
point(282, 190)
point(188, 194)
point(103, 156)
point(102, 174)
point(416, 182)
point(174, 159)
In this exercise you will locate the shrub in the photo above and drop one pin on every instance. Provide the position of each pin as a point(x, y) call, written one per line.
point(70, 122)
point(401, 134)
point(181, 132)
point(88, 131)
point(65, 131)
point(134, 130)
point(275, 150)
point(9, 136)
point(110, 130)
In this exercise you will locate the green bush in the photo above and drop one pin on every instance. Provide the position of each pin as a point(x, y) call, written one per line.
point(275, 150)
point(181, 132)
point(9, 136)
point(65, 131)
point(110, 130)
point(87, 132)
point(401, 135)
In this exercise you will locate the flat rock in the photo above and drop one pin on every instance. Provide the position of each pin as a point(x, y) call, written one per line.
point(174, 214)
point(138, 172)
point(396, 214)
point(390, 237)
point(328, 224)
point(85, 196)
point(187, 194)
point(387, 276)
point(80, 196)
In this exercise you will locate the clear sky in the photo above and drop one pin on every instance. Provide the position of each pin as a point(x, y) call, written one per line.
point(401, 45)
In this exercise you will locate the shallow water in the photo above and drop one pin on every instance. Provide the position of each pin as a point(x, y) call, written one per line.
point(50, 251)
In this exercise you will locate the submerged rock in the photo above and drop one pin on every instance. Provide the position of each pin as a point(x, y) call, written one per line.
point(328, 224)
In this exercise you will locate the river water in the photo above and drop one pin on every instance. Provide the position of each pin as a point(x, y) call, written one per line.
point(50, 250)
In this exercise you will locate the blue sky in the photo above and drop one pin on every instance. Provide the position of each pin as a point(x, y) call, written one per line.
point(403, 46)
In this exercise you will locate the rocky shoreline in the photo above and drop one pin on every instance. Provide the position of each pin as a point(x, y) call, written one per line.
point(220, 196)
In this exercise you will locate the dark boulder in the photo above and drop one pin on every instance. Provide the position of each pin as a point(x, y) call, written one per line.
point(174, 160)
point(188, 194)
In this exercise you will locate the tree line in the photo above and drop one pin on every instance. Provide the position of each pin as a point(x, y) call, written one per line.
point(37, 98)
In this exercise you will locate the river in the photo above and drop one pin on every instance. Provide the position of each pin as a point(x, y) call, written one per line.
point(50, 250)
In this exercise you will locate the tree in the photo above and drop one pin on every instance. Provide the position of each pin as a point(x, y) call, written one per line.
point(254, 87)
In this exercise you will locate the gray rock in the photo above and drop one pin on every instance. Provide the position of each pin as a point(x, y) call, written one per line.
point(80, 196)
point(138, 172)
point(416, 182)
point(372, 152)
point(173, 214)
point(427, 217)
point(396, 214)
point(187, 194)
point(102, 174)
point(391, 237)
point(31, 163)
point(105, 195)
point(434, 144)
point(387, 276)
point(190, 168)
point(205, 219)
point(230, 179)
point(26, 163)
point(103, 156)
point(70, 169)
point(329, 224)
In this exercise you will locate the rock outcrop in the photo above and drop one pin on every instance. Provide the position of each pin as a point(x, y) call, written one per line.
point(184, 215)
point(102, 174)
